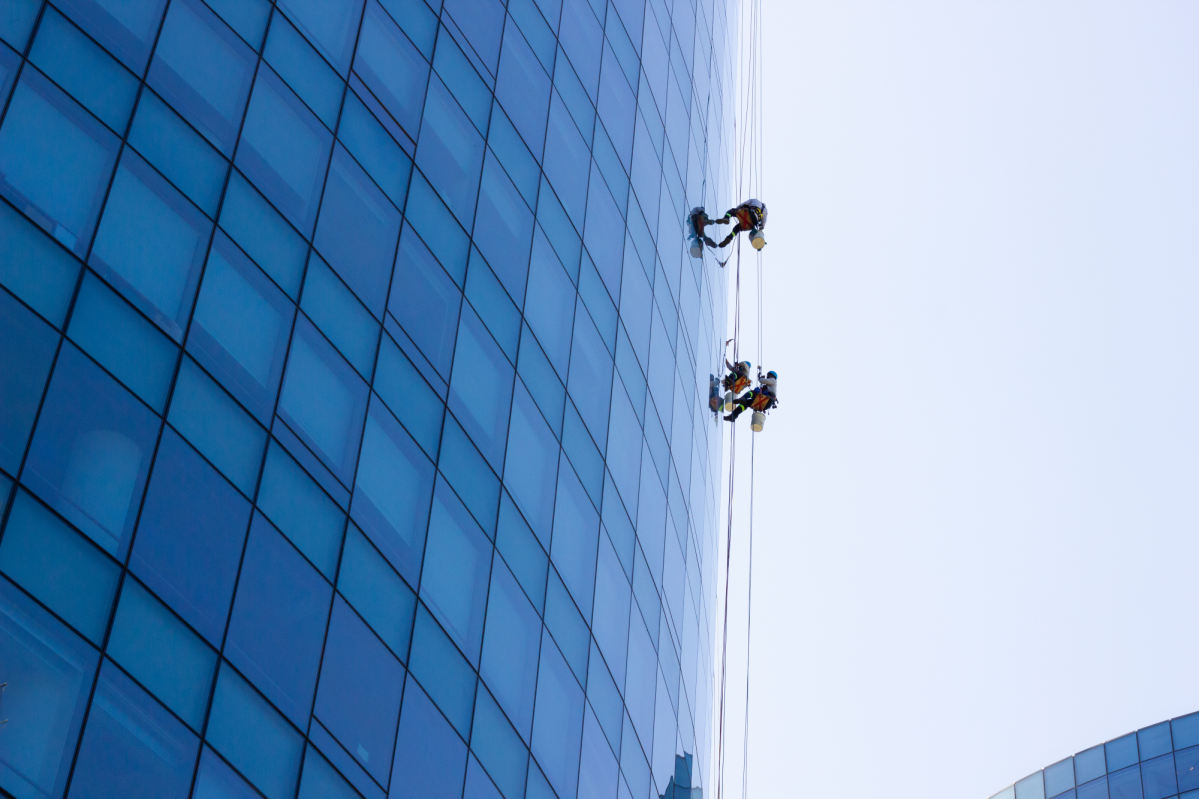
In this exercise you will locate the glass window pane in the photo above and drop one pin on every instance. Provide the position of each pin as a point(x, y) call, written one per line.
point(151, 245)
point(550, 305)
point(176, 150)
point(532, 464)
point(306, 72)
point(409, 396)
point(451, 152)
point(456, 568)
point(1121, 752)
point(331, 24)
point(442, 670)
point(462, 78)
point(91, 75)
point(155, 647)
point(190, 537)
point(510, 648)
point(392, 68)
point(567, 163)
point(340, 316)
point(58, 566)
point(482, 21)
point(481, 390)
point(504, 229)
point(393, 491)
point(359, 695)
point(27, 347)
point(254, 737)
point(430, 758)
point(425, 300)
point(373, 588)
point(323, 401)
point(590, 381)
point(284, 150)
point(132, 748)
point(17, 20)
point(264, 234)
point(123, 341)
point(216, 780)
point(35, 269)
point(373, 146)
point(240, 328)
point(56, 160)
point(298, 507)
point(278, 623)
point(247, 17)
point(91, 452)
point(523, 88)
point(321, 781)
point(124, 28)
point(522, 552)
point(558, 722)
point(357, 231)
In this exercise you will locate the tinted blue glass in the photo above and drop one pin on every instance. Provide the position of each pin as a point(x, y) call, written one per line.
point(56, 161)
point(499, 749)
point(566, 625)
point(618, 108)
point(357, 231)
point(482, 22)
point(409, 396)
point(575, 97)
point(418, 21)
point(522, 168)
point(392, 68)
point(456, 568)
point(304, 70)
point(284, 150)
point(132, 748)
point(323, 401)
point(510, 648)
point(1186, 762)
point(176, 150)
point(331, 24)
point(544, 384)
point(373, 588)
point(430, 760)
point(247, 17)
point(567, 163)
point(320, 781)
point(598, 771)
point(1125, 784)
point(523, 88)
point(204, 70)
point(441, 231)
point(610, 621)
point(264, 234)
point(240, 328)
point(91, 452)
point(478, 784)
point(1157, 776)
point(599, 303)
point(504, 228)
point(92, 76)
point(607, 250)
point(27, 347)
point(17, 21)
point(442, 671)
point(454, 67)
point(583, 455)
point(639, 680)
point(340, 316)
point(549, 307)
point(375, 148)
point(469, 475)
point(253, 736)
point(558, 721)
point(559, 229)
point(359, 695)
point(604, 698)
point(582, 38)
point(126, 29)
point(1154, 741)
point(393, 491)
point(35, 269)
point(151, 245)
point(481, 389)
point(590, 381)
point(425, 301)
point(189, 540)
point(278, 622)
point(1121, 752)
point(215, 780)
point(522, 552)
point(217, 426)
point(298, 506)
point(1096, 789)
point(451, 152)
point(1185, 731)
point(493, 304)
point(58, 566)
point(531, 469)
point(1089, 764)
point(36, 650)
point(150, 643)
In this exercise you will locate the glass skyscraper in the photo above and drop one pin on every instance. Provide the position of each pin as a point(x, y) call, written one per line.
point(1156, 762)
point(354, 427)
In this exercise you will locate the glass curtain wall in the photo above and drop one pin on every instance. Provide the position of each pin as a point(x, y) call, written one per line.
point(354, 436)
point(1156, 762)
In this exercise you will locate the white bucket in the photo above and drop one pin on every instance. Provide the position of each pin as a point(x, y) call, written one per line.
point(758, 421)
point(697, 249)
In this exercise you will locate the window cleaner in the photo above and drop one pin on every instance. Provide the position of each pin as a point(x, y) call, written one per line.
point(760, 400)
point(750, 215)
point(736, 381)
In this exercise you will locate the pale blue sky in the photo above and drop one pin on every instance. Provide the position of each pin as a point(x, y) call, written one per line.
point(978, 503)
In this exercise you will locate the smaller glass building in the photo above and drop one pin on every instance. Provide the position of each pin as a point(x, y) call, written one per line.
point(1158, 762)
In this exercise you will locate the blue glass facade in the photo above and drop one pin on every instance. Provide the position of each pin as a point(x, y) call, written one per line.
point(354, 435)
point(1157, 762)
